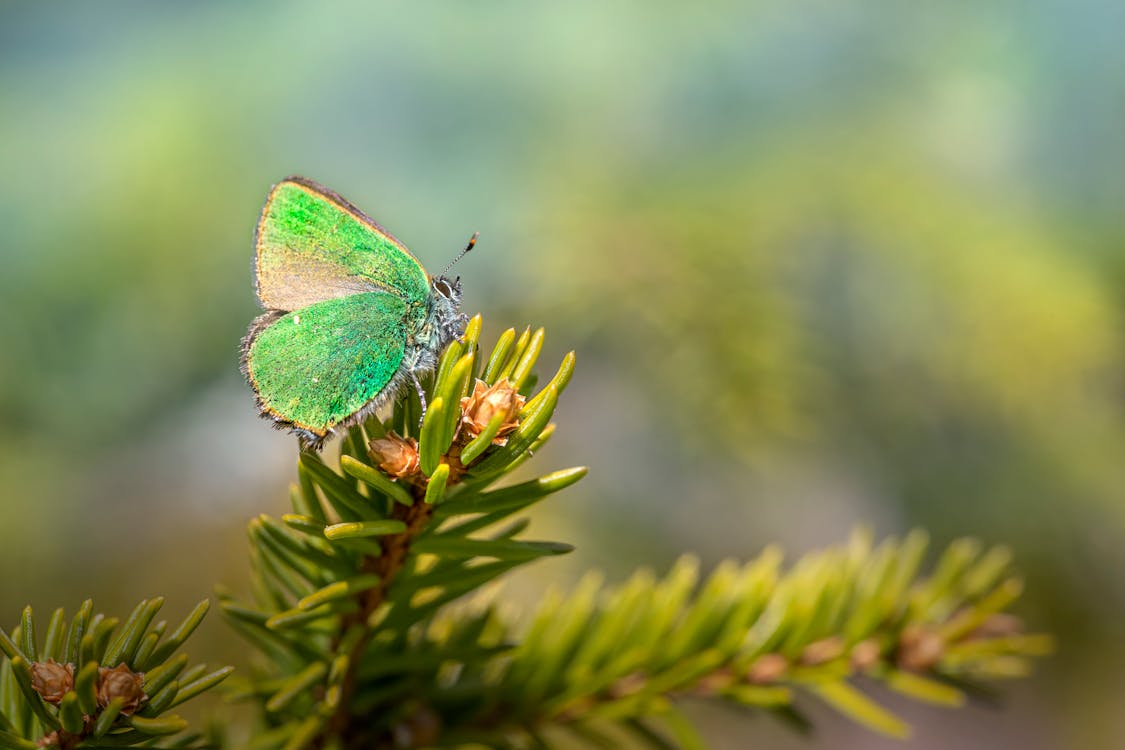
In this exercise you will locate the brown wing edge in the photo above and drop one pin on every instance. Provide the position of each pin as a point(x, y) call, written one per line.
point(310, 439)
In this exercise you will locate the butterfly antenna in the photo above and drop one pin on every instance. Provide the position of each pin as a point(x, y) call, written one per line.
point(463, 253)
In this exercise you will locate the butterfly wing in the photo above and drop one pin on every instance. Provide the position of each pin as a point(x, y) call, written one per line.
point(320, 366)
point(312, 245)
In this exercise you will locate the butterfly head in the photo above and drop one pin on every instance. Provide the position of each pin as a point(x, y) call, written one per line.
point(446, 319)
point(447, 289)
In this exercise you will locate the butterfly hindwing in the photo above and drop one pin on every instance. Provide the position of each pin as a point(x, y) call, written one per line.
point(312, 245)
point(315, 368)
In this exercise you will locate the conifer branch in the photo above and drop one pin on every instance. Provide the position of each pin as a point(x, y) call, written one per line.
point(97, 682)
point(357, 599)
point(331, 602)
point(754, 636)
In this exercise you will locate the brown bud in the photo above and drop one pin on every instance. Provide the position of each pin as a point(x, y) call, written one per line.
point(396, 455)
point(919, 648)
point(52, 680)
point(485, 403)
point(865, 654)
point(715, 682)
point(767, 668)
point(997, 625)
point(121, 682)
point(575, 709)
point(630, 684)
point(48, 740)
point(421, 729)
point(824, 650)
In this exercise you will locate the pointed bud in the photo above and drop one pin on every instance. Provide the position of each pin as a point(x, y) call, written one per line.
point(48, 740)
point(52, 680)
point(422, 728)
point(919, 648)
point(486, 402)
point(997, 625)
point(767, 668)
point(715, 683)
point(121, 682)
point(396, 455)
point(865, 654)
point(630, 684)
point(824, 650)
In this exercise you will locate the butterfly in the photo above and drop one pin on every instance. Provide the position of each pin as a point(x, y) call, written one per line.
point(351, 316)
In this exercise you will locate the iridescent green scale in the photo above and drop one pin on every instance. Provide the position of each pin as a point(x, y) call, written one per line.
point(350, 314)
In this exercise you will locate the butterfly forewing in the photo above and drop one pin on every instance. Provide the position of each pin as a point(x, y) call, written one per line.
point(312, 245)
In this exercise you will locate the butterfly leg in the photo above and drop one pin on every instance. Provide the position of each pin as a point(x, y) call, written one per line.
point(455, 328)
point(421, 395)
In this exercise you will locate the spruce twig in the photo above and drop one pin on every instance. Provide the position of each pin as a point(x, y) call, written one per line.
point(358, 602)
point(753, 635)
point(370, 523)
point(97, 682)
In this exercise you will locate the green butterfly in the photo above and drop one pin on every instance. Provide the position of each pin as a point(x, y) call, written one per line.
point(351, 315)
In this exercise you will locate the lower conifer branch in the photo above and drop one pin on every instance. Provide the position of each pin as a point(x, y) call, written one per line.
point(97, 681)
point(754, 636)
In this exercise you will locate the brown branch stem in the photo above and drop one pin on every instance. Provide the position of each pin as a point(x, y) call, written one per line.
point(386, 565)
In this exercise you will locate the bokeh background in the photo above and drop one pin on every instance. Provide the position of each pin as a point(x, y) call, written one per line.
point(823, 263)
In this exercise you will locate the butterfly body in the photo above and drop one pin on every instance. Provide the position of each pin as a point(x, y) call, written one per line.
point(351, 315)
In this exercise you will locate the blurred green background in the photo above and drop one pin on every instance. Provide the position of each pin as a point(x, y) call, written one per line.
point(824, 263)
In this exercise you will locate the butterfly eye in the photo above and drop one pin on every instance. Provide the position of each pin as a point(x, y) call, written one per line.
point(441, 286)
